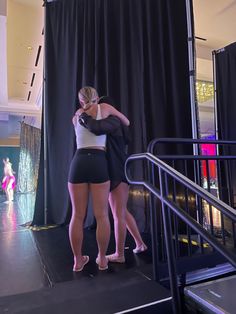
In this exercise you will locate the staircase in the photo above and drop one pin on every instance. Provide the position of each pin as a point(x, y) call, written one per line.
point(179, 206)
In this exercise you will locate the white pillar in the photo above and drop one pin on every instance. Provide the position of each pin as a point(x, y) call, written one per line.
point(3, 53)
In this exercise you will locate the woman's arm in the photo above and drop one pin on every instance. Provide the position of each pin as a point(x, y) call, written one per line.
point(109, 110)
point(76, 116)
point(74, 119)
point(98, 127)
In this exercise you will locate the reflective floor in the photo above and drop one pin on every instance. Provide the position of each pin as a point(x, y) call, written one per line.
point(16, 213)
point(31, 261)
point(20, 262)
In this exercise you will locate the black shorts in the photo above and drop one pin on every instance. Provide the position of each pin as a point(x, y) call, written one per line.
point(88, 166)
point(116, 181)
point(116, 168)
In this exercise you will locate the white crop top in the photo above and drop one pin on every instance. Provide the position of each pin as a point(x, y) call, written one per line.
point(85, 138)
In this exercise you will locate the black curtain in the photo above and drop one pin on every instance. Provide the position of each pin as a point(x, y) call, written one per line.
point(132, 50)
point(226, 91)
point(225, 70)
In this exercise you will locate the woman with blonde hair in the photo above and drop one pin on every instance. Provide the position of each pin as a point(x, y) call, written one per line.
point(89, 173)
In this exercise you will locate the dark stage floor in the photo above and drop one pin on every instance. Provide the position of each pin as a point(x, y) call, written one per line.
point(36, 270)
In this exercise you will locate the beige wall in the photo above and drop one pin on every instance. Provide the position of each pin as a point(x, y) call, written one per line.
point(10, 142)
point(3, 7)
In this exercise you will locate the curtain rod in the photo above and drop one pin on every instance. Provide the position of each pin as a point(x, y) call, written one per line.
point(218, 51)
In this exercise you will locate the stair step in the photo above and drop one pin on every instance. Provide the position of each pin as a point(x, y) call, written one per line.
point(140, 297)
point(216, 296)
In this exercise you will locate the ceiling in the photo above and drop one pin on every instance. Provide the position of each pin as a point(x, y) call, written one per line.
point(21, 82)
point(215, 20)
point(24, 52)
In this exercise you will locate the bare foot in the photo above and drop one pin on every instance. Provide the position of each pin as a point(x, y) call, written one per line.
point(79, 265)
point(140, 249)
point(102, 263)
point(115, 258)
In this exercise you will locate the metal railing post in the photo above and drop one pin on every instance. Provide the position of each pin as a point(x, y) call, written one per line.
point(176, 304)
point(45, 168)
point(153, 225)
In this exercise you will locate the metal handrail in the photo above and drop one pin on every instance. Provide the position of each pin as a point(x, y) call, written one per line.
point(214, 201)
point(197, 157)
point(222, 162)
point(168, 204)
point(186, 141)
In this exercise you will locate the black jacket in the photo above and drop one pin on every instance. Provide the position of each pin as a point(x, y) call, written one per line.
point(117, 139)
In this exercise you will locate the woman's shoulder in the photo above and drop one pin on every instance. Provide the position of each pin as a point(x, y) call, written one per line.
point(108, 109)
point(104, 105)
point(105, 109)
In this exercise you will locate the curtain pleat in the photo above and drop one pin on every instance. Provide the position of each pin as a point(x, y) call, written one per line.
point(135, 51)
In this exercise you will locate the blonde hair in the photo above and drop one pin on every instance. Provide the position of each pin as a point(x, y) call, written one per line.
point(88, 94)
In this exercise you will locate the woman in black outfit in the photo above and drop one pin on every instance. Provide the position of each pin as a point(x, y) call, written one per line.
point(117, 140)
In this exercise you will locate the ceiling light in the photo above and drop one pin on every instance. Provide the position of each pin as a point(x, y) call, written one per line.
point(30, 48)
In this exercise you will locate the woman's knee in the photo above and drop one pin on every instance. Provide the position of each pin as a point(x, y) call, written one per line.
point(78, 215)
point(101, 215)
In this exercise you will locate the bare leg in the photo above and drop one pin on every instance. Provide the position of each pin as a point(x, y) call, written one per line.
point(5, 184)
point(79, 200)
point(11, 194)
point(8, 194)
point(10, 189)
point(133, 229)
point(100, 194)
point(118, 200)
